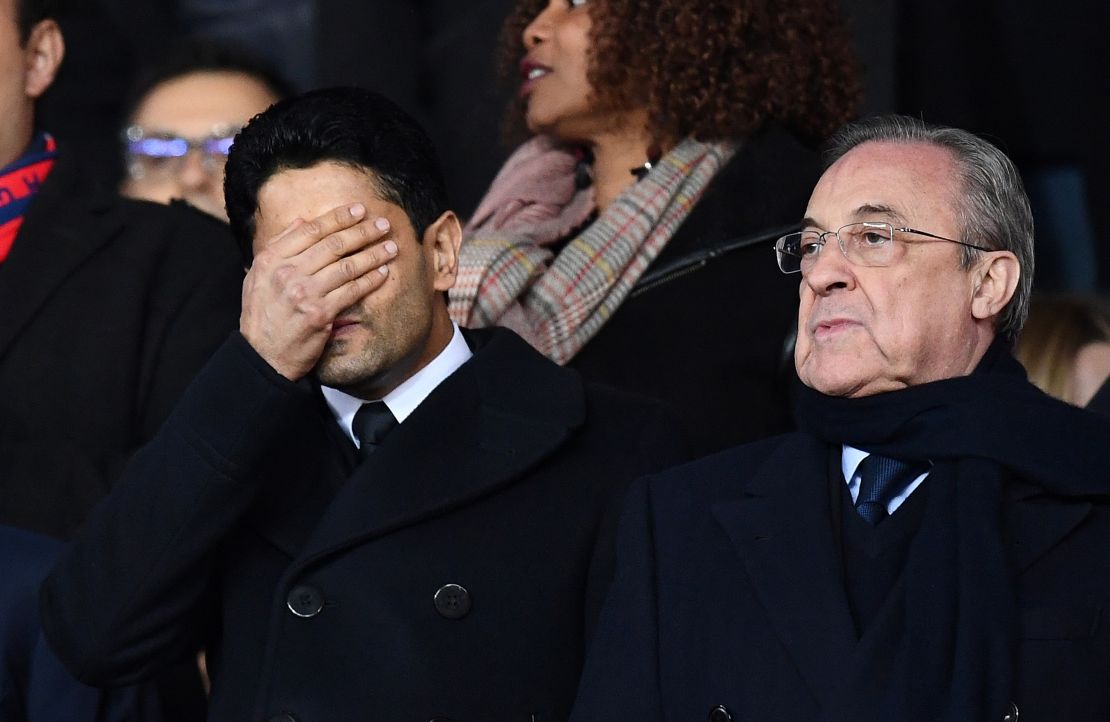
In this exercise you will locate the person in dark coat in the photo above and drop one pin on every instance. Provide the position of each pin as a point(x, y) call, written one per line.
point(108, 309)
point(628, 238)
point(931, 545)
point(109, 306)
point(360, 510)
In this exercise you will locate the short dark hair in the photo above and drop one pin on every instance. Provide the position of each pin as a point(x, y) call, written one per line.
point(29, 13)
point(992, 205)
point(351, 126)
point(202, 55)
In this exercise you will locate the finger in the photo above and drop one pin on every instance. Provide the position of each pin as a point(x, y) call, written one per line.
point(269, 243)
point(348, 268)
point(308, 233)
point(342, 243)
point(297, 222)
point(355, 290)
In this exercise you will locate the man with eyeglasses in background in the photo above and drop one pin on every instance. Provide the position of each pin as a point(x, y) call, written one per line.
point(184, 114)
point(931, 545)
point(107, 309)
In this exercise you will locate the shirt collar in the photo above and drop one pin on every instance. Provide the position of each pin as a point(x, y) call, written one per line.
point(850, 459)
point(404, 399)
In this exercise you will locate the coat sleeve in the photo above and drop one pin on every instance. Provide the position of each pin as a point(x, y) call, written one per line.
point(131, 593)
point(620, 680)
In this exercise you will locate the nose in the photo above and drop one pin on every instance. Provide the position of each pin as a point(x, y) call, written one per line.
point(831, 270)
point(193, 174)
point(538, 30)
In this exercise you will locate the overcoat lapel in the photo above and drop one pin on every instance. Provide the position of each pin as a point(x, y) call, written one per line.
point(303, 480)
point(1033, 523)
point(477, 432)
point(61, 230)
point(782, 530)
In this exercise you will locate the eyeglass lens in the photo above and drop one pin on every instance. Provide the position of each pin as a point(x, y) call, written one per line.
point(165, 155)
point(864, 244)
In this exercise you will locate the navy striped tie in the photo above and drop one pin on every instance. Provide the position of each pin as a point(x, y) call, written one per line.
point(881, 479)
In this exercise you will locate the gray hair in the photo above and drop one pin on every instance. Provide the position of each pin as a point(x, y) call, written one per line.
point(993, 208)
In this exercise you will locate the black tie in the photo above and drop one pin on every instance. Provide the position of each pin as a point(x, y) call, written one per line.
point(370, 425)
point(881, 479)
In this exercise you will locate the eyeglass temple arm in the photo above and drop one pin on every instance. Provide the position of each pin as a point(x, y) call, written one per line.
point(941, 238)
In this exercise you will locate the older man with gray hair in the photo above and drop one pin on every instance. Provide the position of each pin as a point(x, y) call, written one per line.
point(931, 545)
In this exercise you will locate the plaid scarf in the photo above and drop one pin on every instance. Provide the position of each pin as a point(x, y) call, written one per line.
point(19, 181)
point(509, 276)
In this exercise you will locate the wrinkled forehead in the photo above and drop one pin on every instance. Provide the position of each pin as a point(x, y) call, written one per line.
point(901, 183)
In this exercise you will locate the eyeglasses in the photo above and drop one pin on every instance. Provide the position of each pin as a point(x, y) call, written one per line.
point(162, 155)
point(868, 243)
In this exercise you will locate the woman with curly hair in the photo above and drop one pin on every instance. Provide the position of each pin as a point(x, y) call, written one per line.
point(631, 237)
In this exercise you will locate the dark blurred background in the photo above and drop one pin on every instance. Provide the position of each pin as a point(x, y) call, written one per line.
point(1029, 75)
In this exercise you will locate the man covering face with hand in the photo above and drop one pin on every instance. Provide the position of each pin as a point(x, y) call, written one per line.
point(362, 511)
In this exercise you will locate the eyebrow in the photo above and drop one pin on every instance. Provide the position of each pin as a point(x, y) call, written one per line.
point(867, 209)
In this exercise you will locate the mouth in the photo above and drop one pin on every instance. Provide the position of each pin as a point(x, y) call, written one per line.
point(343, 326)
point(832, 327)
point(530, 73)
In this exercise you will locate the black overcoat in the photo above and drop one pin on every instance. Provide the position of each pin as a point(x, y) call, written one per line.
point(323, 589)
point(107, 309)
point(709, 327)
point(728, 593)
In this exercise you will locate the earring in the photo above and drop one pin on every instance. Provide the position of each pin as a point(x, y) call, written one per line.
point(654, 154)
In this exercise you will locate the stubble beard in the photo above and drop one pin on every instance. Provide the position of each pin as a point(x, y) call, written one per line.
point(346, 364)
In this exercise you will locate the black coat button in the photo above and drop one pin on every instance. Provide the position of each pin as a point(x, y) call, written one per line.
point(305, 601)
point(1012, 714)
point(452, 601)
point(719, 714)
point(283, 717)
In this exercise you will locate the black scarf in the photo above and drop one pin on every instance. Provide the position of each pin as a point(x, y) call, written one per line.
point(953, 613)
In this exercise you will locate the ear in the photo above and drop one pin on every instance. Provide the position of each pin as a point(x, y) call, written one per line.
point(42, 56)
point(996, 278)
point(443, 238)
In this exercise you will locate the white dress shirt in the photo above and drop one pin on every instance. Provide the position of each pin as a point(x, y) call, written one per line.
point(851, 458)
point(404, 399)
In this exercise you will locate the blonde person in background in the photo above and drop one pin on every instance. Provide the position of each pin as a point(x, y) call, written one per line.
point(184, 116)
point(1065, 346)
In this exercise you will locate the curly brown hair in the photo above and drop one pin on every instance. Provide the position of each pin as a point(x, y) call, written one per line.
point(715, 69)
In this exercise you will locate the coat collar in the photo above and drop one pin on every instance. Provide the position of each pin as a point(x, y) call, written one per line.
point(66, 223)
point(1033, 523)
point(498, 416)
point(781, 528)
